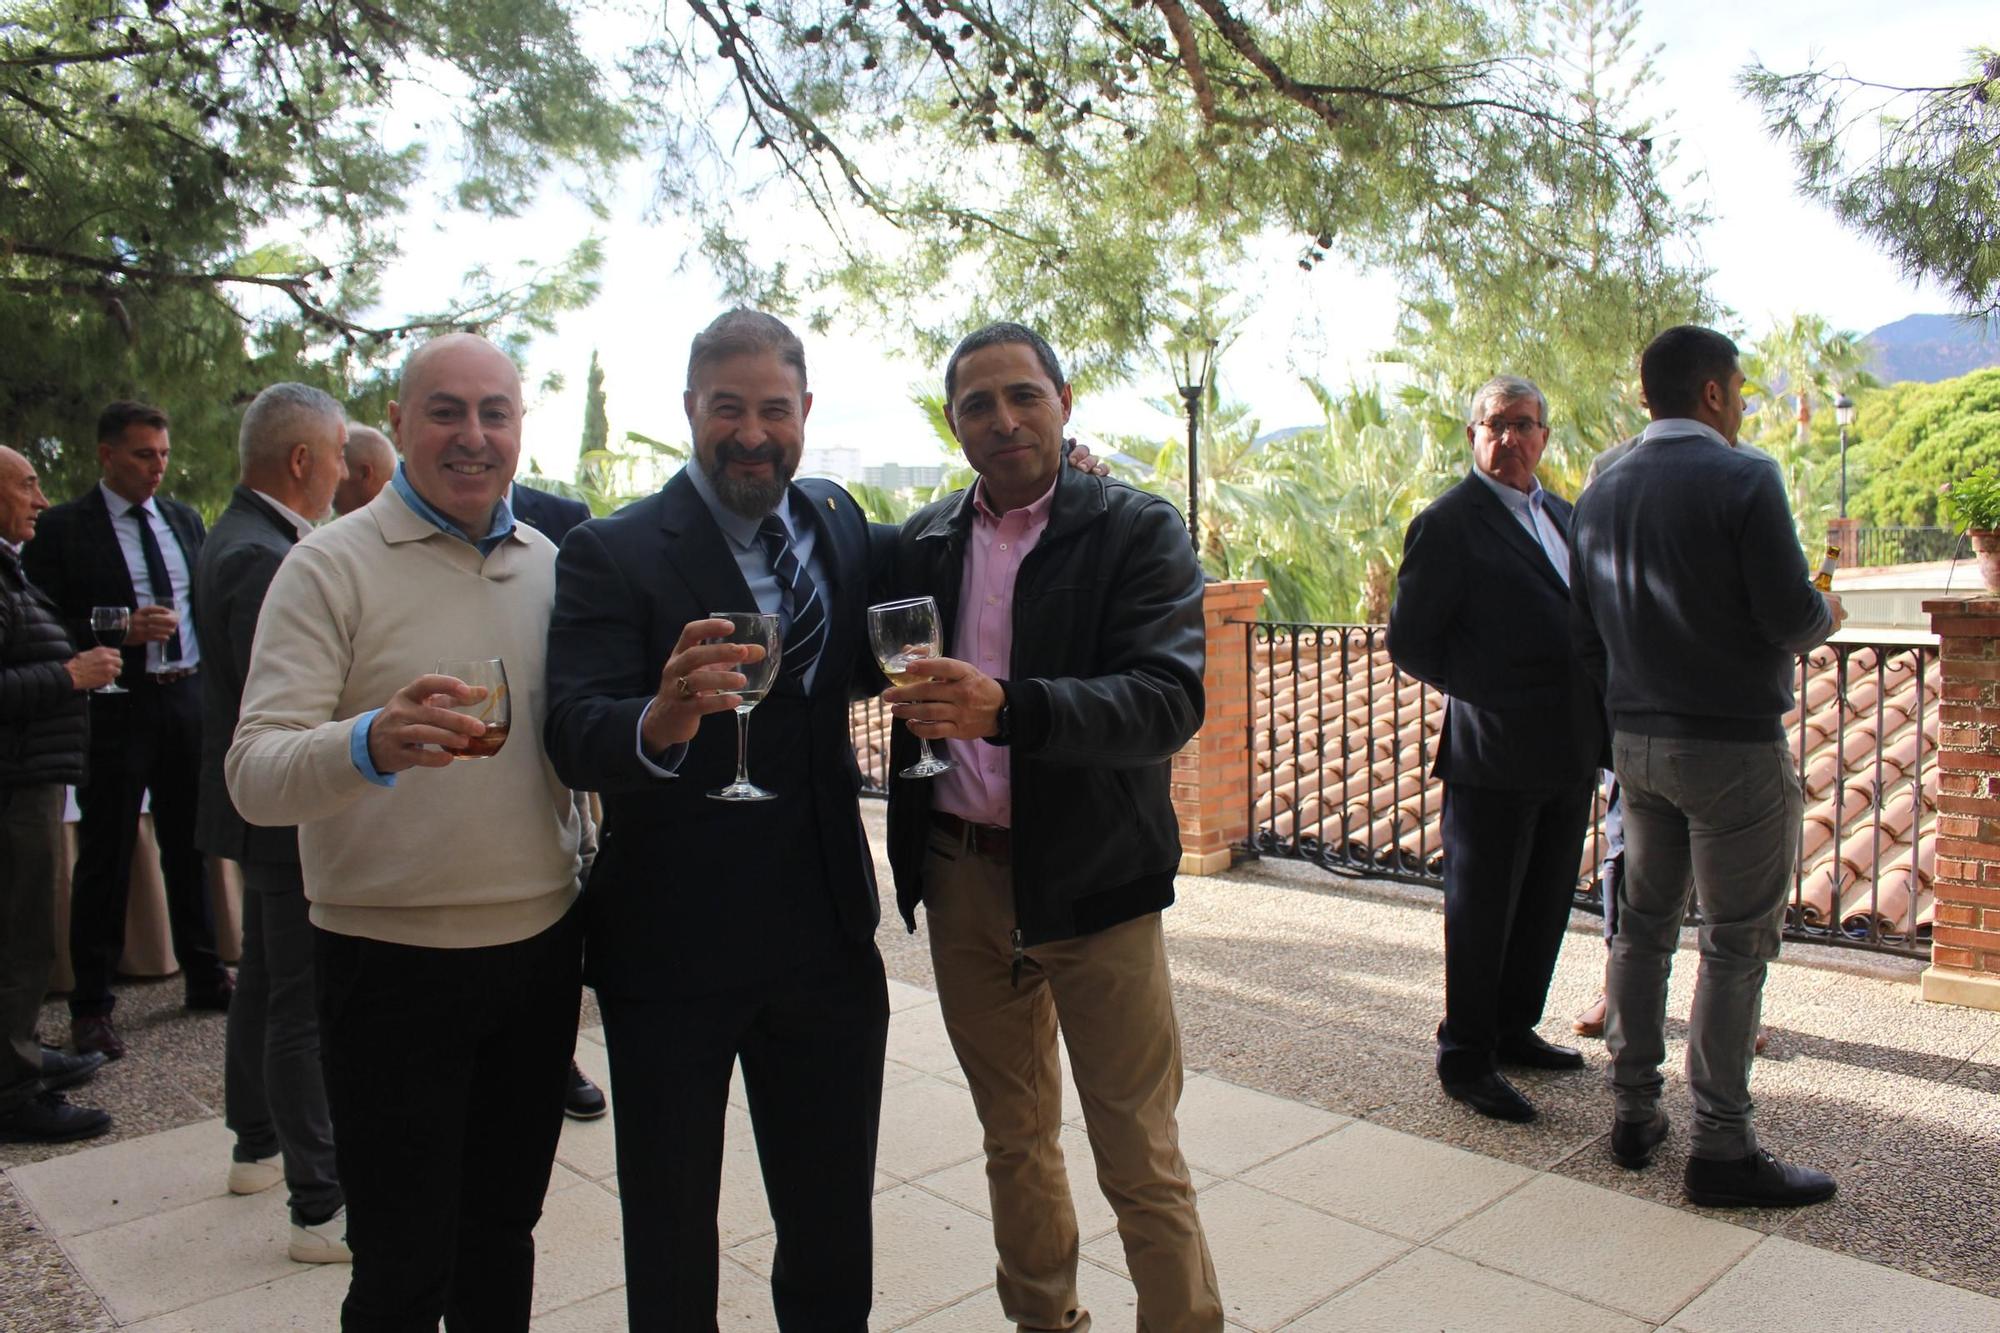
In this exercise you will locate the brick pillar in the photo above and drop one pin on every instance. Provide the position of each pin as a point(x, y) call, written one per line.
point(1211, 775)
point(1965, 937)
point(1846, 534)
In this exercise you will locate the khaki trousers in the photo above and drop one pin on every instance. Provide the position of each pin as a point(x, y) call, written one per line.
point(1111, 995)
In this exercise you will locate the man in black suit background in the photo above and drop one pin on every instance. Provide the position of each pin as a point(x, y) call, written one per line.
point(123, 544)
point(1482, 613)
point(720, 930)
point(290, 448)
point(549, 514)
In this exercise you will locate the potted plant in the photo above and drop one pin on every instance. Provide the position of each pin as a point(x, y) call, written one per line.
point(1973, 502)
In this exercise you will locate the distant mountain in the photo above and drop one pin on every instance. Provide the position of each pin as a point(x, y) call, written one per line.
point(1930, 348)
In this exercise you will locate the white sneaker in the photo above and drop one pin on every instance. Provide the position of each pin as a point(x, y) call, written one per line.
point(255, 1177)
point(322, 1244)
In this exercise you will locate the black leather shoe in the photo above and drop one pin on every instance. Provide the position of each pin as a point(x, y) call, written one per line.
point(212, 995)
point(93, 1032)
point(583, 1101)
point(62, 1070)
point(1757, 1181)
point(1530, 1051)
point(1493, 1096)
point(1633, 1141)
point(47, 1117)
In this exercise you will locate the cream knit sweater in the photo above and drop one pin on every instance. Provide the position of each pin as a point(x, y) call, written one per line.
point(482, 852)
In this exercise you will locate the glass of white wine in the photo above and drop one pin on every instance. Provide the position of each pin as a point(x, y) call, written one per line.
point(903, 632)
point(495, 708)
point(761, 629)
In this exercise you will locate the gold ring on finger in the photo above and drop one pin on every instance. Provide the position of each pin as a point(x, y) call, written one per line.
point(686, 692)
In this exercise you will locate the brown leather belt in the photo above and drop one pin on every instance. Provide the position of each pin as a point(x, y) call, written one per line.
point(170, 677)
point(994, 843)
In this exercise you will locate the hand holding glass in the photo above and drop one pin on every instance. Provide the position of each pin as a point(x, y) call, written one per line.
point(109, 625)
point(901, 633)
point(754, 627)
point(495, 707)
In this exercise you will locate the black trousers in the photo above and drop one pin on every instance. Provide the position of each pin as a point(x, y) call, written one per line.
point(1511, 861)
point(30, 832)
point(445, 1073)
point(146, 740)
point(812, 1049)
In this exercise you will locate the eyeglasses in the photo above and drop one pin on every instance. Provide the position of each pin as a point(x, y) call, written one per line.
point(1519, 425)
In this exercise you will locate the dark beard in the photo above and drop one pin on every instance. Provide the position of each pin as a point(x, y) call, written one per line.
point(751, 499)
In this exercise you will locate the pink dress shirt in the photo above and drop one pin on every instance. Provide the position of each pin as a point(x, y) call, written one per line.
point(981, 789)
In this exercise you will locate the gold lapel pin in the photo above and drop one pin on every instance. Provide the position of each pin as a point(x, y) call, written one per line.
point(829, 502)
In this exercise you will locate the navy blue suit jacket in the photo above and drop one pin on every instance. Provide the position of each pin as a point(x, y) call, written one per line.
point(551, 515)
point(689, 893)
point(1482, 615)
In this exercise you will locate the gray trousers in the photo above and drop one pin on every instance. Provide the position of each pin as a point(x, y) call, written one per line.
point(30, 832)
point(1720, 818)
point(274, 1093)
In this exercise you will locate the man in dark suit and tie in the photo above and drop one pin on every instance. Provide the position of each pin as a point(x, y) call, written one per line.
point(724, 930)
point(1482, 613)
point(123, 544)
point(274, 1097)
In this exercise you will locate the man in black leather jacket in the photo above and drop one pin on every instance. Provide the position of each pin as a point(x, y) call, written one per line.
point(43, 730)
point(1070, 611)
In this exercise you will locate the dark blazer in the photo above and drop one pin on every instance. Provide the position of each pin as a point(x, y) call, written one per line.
point(688, 893)
point(1482, 615)
point(76, 560)
point(1104, 687)
point(551, 515)
point(238, 562)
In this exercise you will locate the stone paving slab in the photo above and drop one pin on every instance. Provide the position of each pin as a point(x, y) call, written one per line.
point(1304, 997)
point(1316, 1222)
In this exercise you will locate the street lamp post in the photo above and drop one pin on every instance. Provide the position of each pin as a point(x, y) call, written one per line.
point(1843, 412)
point(1192, 354)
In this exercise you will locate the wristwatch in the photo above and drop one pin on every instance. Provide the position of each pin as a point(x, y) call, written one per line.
point(1003, 721)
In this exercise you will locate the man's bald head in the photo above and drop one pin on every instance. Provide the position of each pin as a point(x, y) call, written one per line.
point(450, 348)
point(371, 461)
point(21, 498)
point(457, 422)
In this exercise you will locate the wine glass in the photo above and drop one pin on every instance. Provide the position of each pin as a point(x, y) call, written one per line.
point(109, 625)
point(495, 708)
point(761, 629)
point(902, 632)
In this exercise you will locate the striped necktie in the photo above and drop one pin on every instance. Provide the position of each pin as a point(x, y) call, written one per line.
point(805, 634)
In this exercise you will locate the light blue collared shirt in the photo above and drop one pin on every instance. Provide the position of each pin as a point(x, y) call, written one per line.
point(1530, 510)
point(126, 527)
point(740, 534)
point(1686, 426)
point(501, 528)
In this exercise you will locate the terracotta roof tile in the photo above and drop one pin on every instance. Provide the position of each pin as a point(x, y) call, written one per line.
point(1350, 772)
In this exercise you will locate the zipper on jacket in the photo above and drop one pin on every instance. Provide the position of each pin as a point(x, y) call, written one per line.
point(1019, 955)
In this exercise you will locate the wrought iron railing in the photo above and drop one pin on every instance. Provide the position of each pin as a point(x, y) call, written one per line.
point(1904, 546)
point(1342, 745)
point(868, 727)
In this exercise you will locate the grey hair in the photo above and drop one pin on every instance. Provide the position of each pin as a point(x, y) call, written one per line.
point(279, 418)
point(1506, 388)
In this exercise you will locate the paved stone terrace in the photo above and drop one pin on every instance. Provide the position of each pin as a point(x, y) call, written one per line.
point(1340, 1189)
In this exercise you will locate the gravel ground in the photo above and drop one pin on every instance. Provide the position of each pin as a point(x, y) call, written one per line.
point(1325, 989)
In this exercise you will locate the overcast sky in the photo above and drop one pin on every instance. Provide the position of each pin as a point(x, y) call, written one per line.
point(1773, 253)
